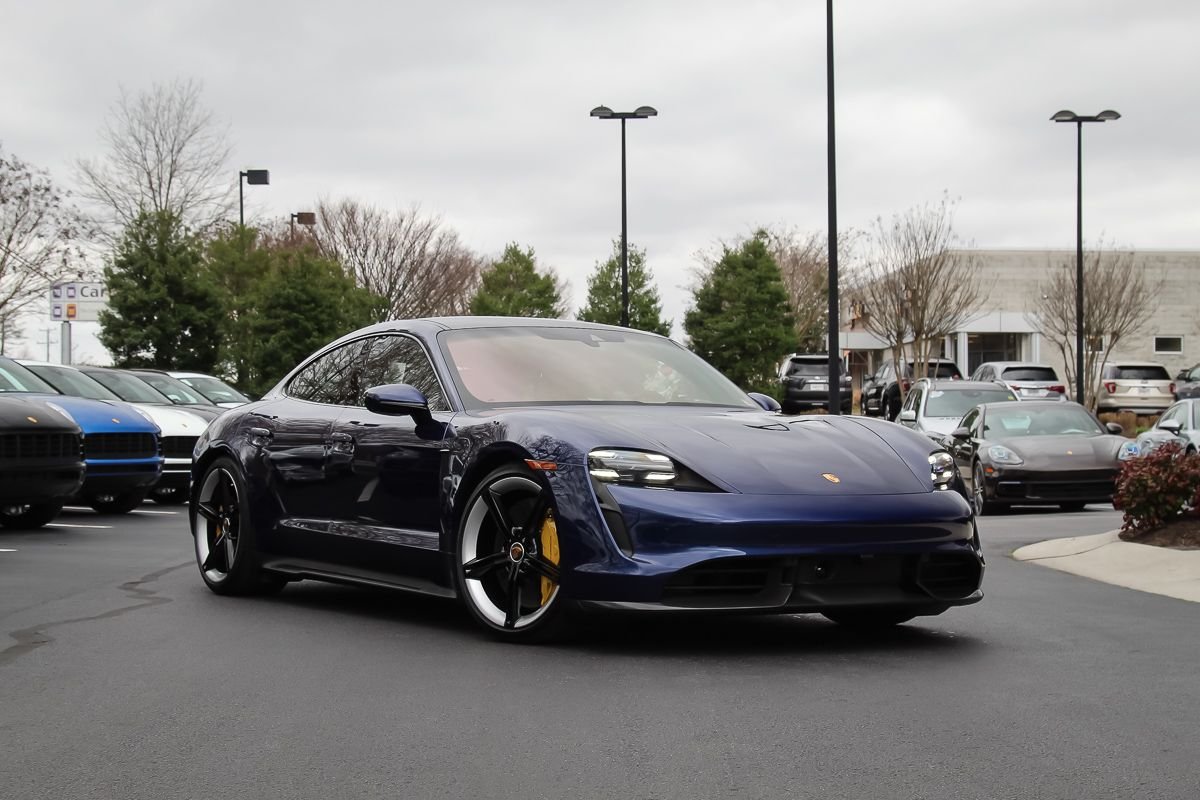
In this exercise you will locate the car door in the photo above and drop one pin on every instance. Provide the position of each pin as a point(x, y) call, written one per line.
point(387, 468)
point(912, 408)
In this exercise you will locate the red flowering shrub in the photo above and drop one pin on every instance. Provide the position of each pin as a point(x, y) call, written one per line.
point(1155, 489)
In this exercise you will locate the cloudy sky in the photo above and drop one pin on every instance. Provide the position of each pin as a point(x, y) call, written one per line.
point(478, 111)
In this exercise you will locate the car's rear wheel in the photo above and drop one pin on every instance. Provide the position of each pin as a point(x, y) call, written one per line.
point(979, 500)
point(33, 515)
point(869, 618)
point(121, 503)
point(508, 557)
point(224, 536)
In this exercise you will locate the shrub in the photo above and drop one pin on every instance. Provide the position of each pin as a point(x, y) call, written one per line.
point(1157, 488)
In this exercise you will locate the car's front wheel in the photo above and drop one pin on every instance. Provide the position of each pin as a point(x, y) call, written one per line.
point(507, 568)
point(224, 536)
point(979, 500)
point(34, 515)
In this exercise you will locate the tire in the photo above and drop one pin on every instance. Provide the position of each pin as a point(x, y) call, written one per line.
point(30, 516)
point(223, 536)
point(505, 551)
point(869, 618)
point(983, 507)
point(169, 497)
point(117, 503)
point(1072, 506)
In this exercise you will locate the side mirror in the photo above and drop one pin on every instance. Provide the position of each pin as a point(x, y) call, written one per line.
point(1171, 426)
point(398, 399)
point(767, 402)
point(961, 434)
point(1182, 376)
point(1115, 427)
point(907, 415)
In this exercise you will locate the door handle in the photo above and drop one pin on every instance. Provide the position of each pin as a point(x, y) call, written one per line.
point(341, 443)
point(259, 436)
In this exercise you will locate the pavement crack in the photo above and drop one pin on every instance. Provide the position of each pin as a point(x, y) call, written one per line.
point(33, 637)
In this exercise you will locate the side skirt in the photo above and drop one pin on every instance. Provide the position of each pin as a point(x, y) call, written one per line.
point(314, 570)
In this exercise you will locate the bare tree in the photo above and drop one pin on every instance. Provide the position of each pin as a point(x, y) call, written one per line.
point(165, 152)
point(418, 264)
point(918, 284)
point(1120, 297)
point(803, 260)
point(39, 235)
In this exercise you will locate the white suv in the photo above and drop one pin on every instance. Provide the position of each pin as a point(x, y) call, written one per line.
point(1140, 386)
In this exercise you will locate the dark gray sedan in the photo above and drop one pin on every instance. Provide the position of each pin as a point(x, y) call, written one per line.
point(1187, 383)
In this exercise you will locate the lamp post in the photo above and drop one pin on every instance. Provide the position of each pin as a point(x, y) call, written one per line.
point(835, 357)
point(642, 112)
point(306, 218)
point(1071, 116)
point(254, 177)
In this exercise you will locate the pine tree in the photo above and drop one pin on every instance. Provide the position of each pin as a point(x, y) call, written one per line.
point(604, 294)
point(514, 287)
point(740, 321)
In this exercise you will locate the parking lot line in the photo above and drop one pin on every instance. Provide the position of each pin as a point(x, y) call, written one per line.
point(74, 525)
point(6, 550)
point(148, 511)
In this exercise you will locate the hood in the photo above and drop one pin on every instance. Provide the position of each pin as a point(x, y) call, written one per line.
point(1066, 452)
point(175, 421)
point(756, 452)
point(101, 416)
point(27, 413)
point(940, 426)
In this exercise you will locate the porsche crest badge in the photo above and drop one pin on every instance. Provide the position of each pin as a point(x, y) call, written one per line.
point(829, 476)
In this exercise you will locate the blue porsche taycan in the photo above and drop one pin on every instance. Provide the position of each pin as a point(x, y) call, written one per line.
point(534, 468)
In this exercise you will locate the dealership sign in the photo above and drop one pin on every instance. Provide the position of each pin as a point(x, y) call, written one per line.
point(78, 301)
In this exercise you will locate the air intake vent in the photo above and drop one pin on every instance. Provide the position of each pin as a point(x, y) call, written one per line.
point(120, 445)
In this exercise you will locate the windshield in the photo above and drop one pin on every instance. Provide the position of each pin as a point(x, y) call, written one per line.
point(128, 387)
point(807, 368)
point(1021, 419)
point(539, 365)
point(17, 378)
point(1029, 374)
point(215, 390)
point(73, 382)
point(176, 390)
point(955, 403)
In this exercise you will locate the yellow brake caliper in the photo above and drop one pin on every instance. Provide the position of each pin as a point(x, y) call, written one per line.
point(549, 545)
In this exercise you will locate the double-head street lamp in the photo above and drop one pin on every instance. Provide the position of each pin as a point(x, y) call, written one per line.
point(1071, 116)
point(254, 177)
point(642, 112)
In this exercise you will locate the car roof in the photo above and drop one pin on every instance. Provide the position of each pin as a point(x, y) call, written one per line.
point(1125, 363)
point(31, 363)
point(943, 384)
point(1035, 404)
point(1007, 364)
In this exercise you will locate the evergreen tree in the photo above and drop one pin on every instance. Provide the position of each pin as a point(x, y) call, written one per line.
point(163, 310)
point(604, 294)
point(740, 321)
point(237, 264)
point(513, 287)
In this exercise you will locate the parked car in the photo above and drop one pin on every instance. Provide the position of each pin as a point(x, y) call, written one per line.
point(180, 427)
point(1030, 381)
point(934, 408)
point(120, 443)
point(41, 460)
point(805, 381)
point(1037, 452)
point(1179, 423)
point(1141, 386)
point(216, 390)
point(132, 389)
point(881, 392)
point(1187, 383)
point(531, 466)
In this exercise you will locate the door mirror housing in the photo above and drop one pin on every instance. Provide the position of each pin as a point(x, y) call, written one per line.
point(398, 400)
point(1115, 427)
point(767, 402)
point(1171, 426)
point(961, 434)
point(908, 415)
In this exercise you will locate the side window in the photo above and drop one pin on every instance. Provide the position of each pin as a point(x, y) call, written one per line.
point(914, 398)
point(1174, 413)
point(1194, 375)
point(334, 379)
point(971, 421)
point(401, 359)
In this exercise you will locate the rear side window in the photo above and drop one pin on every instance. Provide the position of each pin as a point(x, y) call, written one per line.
point(1029, 374)
point(1141, 373)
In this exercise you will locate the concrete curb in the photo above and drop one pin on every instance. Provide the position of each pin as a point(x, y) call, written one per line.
point(1104, 557)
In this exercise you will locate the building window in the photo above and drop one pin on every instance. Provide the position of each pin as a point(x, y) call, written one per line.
point(1168, 344)
point(1095, 344)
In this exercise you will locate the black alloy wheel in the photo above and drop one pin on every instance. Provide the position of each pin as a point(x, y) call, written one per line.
point(224, 538)
point(508, 557)
point(33, 515)
point(979, 501)
point(121, 503)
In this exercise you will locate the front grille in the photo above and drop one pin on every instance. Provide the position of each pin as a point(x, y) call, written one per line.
point(39, 445)
point(120, 445)
point(179, 446)
point(1055, 490)
point(949, 576)
point(726, 578)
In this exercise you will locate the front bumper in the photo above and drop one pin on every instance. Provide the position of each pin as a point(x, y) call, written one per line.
point(116, 476)
point(39, 482)
point(1049, 487)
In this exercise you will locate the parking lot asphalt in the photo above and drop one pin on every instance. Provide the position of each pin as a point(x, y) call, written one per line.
point(122, 676)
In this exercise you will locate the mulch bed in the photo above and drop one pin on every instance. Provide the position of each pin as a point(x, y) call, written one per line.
point(1180, 534)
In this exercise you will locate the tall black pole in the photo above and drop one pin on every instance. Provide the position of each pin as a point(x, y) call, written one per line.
point(1079, 395)
point(835, 361)
point(624, 239)
point(241, 201)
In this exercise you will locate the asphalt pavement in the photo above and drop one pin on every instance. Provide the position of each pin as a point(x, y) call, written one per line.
point(122, 676)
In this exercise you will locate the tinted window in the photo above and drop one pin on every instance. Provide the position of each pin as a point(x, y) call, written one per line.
point(215, 390)
point(938, 369)
point(807, 368)
point(334, 379)
point(401, 359)
point(176, 391)
point(16, 378)
point(1141, 373)
point(1019, 419)
point(128, 387)
point(74, 383)
point(970, 419)
point(955, 403)
point(1029, 374)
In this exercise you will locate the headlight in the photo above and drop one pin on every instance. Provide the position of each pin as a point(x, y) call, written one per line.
point(1128, 450)
point(62, 411)
point(631, 467)
point(1002, 455)
point(941, 469)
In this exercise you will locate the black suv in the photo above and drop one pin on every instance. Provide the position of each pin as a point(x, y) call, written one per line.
point(881, 391)
point(805, 381)
point(41, 461)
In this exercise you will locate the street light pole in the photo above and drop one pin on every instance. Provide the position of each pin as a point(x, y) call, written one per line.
point(1071, 116)
point(254, 177)
point(642, 112)
point(835, 360)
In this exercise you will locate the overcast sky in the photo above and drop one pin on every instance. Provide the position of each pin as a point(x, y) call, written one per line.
point(479, 112)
